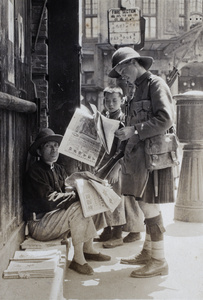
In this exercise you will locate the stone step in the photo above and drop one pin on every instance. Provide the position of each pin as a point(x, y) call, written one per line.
point(37, 288)
point(34, 288)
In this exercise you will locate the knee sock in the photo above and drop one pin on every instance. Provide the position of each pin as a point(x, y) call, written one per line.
point(147, 243)
point(156, 230)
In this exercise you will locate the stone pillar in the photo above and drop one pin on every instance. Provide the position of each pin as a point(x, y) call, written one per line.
point(189, 203)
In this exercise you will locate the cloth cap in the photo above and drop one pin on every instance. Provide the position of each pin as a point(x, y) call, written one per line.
point(111, 89)
point(45, 135)
point(123, 55)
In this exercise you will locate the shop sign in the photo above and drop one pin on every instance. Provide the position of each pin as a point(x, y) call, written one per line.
point(124, 26)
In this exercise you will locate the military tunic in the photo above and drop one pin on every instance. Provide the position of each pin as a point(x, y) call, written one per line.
point(151, 111)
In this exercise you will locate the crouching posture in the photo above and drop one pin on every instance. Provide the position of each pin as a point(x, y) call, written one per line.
point(56, 207)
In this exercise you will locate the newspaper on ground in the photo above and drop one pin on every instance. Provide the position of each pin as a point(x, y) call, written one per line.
point(32, 264)
point(86, 133)
point(30, 243)
point(35, 256)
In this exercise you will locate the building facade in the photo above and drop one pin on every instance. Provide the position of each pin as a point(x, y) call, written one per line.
point(173, 37)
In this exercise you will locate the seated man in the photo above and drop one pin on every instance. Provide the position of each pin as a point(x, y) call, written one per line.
point(56, 206)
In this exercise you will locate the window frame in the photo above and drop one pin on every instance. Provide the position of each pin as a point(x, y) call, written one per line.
point(150, 16)
point(92, 16)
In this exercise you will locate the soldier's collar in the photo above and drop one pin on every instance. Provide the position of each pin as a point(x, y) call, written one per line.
point(139, 80)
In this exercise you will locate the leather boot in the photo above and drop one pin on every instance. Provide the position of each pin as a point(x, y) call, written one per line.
point(153, 268)
point(141, 259)
point(157, 265)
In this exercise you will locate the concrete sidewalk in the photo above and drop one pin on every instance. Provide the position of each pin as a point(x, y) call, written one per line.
point(183, 251)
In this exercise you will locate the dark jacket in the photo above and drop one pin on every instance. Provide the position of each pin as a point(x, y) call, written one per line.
point(44, 189)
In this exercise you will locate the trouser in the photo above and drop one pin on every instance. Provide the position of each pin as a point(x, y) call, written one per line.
point(57, 223)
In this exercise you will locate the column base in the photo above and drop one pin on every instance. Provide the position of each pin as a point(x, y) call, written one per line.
point(188, 214)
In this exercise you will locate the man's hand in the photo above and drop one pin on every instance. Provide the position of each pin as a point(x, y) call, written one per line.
point(114, 174)
point(125, 133)
point(69, 198)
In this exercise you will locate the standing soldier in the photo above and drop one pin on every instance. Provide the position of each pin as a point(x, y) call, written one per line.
point(150, 113)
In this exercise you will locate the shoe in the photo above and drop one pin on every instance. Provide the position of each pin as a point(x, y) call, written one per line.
point(104, 236)
point(112, 243)
point(97, 257)
point(82, 269)
point(132, 237)
point(141, 259)
point(153, 268)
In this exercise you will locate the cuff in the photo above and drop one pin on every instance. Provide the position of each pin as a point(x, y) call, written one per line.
point(136, 132)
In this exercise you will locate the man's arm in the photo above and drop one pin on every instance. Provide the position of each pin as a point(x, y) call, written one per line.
point(163, 110)
point(40, 196)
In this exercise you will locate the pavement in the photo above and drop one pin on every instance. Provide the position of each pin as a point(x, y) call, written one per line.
point(183, 252)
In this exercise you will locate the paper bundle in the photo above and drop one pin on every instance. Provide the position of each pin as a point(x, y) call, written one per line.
point(33, 264)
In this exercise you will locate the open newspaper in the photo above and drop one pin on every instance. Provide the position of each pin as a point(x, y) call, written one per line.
point(96, 197)
point(87, 131)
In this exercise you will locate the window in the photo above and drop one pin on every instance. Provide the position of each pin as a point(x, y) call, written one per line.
point(181, 15)
point(195, 6)
point(88, 78)
point(91, 26)
point(149, 13)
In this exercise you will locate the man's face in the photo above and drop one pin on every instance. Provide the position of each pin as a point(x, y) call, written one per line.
point(128, 70)
point(49, 152)
point(112, 101)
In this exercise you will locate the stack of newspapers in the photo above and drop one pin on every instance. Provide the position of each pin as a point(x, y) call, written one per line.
point(33, 264)
point(32, 244)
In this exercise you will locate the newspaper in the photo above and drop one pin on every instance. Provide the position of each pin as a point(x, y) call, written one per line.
point(87, 131)
point(91, 202)
point(35, 256)
point(111, 198)
point(95, 197)
point(33, 264)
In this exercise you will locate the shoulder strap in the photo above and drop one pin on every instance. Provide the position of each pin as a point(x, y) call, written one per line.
point(145, 94)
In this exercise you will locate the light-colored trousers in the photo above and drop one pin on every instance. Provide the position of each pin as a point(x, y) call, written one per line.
point(128, 214)
point(57, 223)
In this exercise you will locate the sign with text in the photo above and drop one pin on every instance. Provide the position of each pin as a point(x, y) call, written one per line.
point(124, 26)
